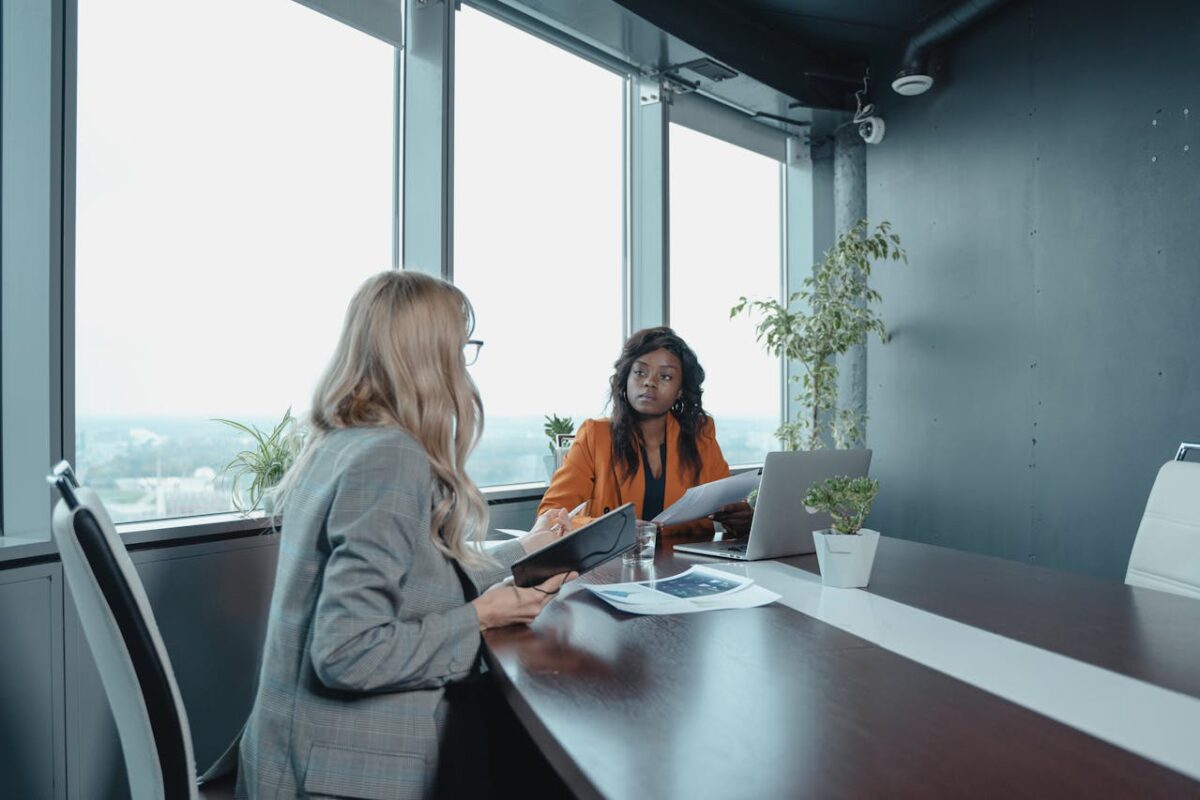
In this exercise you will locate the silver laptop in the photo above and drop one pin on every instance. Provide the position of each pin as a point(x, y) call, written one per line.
point(782, 525)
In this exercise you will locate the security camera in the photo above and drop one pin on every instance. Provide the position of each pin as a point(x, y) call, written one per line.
point(871, 130)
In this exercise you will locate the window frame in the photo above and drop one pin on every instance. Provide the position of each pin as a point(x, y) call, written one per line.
point(629, 75)
point(717, 121)
point(797, 201)
point(42, 308)
point(37, 148)
point(363, 18)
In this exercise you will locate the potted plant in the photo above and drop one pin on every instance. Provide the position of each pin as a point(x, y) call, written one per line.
point(265, 463)
point(833, 313)
point(559, 430)
point(845, 551)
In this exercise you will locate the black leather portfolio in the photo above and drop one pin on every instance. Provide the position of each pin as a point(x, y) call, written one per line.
point(601, 539)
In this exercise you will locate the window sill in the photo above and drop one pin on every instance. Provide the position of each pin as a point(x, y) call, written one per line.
point(16, 551)
point(139, 535)
point(136, 533)
point(19, 549)
point(222, 526)
point(209, 526)
point(514, 492)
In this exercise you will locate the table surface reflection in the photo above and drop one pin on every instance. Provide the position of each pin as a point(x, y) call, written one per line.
point(772, 702)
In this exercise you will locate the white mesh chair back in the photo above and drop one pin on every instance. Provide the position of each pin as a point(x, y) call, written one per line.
point(1166, 552)
point(124, 639)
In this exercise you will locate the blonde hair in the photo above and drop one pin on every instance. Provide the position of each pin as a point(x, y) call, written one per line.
point(399, 364)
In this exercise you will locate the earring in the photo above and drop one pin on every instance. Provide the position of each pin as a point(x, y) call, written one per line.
point(678, 407)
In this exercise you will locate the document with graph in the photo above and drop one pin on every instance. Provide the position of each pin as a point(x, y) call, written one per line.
point(699, 589)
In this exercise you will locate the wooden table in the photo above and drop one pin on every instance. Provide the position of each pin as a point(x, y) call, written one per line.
point(774, 702)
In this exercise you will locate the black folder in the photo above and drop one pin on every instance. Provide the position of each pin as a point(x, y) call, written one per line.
point(602, 539)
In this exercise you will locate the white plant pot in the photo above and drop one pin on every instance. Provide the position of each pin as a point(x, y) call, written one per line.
point(846, 559)
point(267, 503)
point(555, 461)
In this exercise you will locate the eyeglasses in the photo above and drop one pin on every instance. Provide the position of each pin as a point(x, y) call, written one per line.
point(471, 351)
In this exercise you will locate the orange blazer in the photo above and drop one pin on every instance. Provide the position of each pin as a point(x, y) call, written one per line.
point(588, 473)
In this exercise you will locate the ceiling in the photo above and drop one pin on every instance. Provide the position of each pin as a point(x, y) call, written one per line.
point(814, 51)
point(853, 28)
point(790, 57)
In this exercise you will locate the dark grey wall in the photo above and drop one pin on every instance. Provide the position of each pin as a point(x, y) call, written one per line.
point(1046, 342)
point(211, 602)
point(57, 736)
point(32, 741)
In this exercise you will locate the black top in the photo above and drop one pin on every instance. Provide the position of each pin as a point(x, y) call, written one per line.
point(652, 503)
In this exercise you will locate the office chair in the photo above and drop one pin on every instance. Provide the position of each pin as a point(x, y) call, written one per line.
point(1166, 552)
point(124, 639)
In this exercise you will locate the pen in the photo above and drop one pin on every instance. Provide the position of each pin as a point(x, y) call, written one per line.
point(572, 514)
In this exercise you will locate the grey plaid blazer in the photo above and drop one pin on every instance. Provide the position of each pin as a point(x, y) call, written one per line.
point(368, 623)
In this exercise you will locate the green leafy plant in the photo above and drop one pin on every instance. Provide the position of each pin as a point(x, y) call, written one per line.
point(556, 425)
point(848, 501)
point(271, 456)
point(830, 314)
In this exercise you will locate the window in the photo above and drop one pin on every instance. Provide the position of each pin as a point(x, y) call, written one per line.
point(234, 186)
point(725, 242)
point(537, 235)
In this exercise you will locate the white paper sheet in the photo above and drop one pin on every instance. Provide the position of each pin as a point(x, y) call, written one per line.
point(699, 589)
point(513, 532)
point(700, 501)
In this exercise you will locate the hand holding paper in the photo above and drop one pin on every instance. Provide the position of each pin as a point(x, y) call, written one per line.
point(700, 501)
point(735, 517)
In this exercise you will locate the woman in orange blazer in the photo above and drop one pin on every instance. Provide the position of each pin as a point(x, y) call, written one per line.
point(658, 443)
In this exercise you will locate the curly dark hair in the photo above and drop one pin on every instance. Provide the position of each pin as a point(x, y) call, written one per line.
point(688, 410)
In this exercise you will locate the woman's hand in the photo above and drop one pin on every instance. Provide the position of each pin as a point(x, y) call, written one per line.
point(549, 526)
point(509, 604)
point(736, 517)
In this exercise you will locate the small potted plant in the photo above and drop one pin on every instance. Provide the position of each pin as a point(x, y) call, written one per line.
point(560, 431)
point(265, 464)
point(846, 551)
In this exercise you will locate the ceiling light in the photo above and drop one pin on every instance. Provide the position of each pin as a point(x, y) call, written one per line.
point(909, 85)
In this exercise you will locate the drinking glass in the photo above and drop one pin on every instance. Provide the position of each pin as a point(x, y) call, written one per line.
point(643, 548)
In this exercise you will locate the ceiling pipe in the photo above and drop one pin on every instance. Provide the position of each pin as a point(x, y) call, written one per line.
point(915, 76)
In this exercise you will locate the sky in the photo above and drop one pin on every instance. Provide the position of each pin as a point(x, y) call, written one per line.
point(725, 243)
point(234, 186)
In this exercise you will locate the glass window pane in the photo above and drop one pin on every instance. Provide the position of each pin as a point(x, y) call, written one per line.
point(725, 243)
point(537, 235)
point(235, 173)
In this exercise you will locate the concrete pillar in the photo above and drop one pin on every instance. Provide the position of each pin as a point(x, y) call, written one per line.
point(850, 205)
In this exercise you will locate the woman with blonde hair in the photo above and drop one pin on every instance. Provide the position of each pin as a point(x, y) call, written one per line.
point(380, 592)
